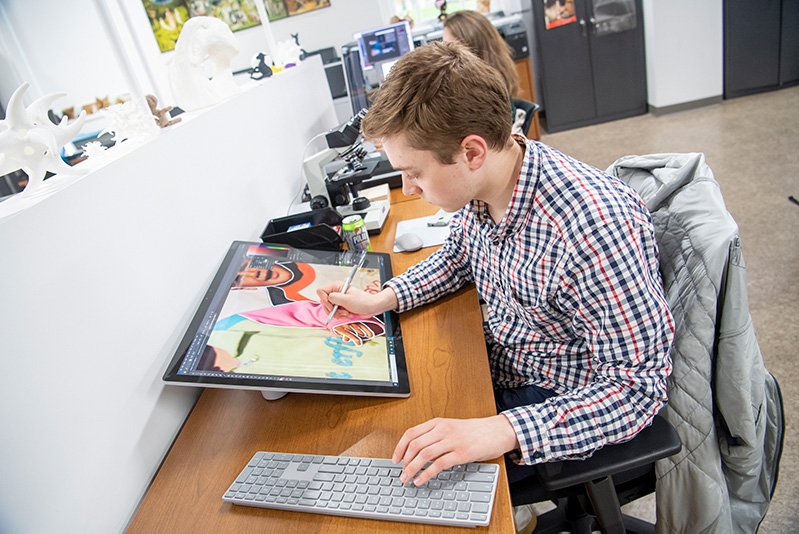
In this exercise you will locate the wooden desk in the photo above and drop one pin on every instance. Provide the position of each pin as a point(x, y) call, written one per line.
point(449, 377)
point(398, 196)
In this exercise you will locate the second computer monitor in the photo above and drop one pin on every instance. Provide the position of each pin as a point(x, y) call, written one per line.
point(384, 45)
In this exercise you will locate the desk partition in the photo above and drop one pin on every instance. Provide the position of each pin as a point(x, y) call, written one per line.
point(99, 278)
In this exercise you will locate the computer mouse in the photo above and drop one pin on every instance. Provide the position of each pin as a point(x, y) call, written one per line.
point(408, 242)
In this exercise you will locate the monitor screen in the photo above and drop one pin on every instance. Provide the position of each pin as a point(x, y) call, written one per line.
point(261, 326)
point(356, 80)
point(383, 44)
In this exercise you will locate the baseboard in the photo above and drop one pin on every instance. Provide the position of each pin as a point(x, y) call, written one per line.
point(658, 111)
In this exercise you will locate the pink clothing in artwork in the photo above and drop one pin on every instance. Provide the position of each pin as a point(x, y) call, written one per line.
point(309, 314)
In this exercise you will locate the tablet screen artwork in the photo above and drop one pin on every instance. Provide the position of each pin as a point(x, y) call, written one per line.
point(261, 326)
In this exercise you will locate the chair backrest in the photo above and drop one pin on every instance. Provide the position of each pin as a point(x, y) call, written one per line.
point(530, 109)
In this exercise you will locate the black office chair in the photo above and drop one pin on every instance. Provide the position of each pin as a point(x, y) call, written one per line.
point(589, 493)
point(530, 109)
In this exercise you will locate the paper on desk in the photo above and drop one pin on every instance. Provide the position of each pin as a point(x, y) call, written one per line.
point(378, 192)
point(431, 235)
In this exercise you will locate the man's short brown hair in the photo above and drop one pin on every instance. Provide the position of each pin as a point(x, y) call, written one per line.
point(436, 96)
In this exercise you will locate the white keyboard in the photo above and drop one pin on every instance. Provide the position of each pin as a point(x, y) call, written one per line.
point(370, 488)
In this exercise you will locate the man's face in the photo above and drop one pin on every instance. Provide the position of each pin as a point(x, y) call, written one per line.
point(445, 186)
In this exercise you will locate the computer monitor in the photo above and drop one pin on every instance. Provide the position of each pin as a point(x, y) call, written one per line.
point(260, 326)
point(384, 44)
point(357, 85)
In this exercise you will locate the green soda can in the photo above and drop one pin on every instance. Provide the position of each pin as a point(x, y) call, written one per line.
point(355, 234)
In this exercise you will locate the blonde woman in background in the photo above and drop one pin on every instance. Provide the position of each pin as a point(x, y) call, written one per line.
point(476, 32)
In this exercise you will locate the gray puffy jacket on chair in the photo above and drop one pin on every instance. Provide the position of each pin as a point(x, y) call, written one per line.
point(723, 402)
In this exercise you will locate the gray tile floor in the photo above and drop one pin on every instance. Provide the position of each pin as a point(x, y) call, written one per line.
point(752, 145)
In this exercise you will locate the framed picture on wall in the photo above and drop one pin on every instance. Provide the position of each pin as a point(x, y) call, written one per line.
point(279, 9)
point(168, 16)
point(166, 20)
point(297, 7)
point(238, 14)
point(276, 9)
point(558, 13)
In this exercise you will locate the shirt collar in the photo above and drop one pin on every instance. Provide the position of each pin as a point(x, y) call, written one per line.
point(521, 200)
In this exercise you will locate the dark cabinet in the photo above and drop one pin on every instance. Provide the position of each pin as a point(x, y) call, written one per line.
point(592, 66)
point(761, 45)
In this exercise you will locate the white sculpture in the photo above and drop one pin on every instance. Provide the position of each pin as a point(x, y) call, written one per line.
point(203, 39)
point(288, 53)
point(31, 142)
point(93, 150)
point(130, 120)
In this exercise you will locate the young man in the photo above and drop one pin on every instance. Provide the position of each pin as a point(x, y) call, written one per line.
point(564, 256)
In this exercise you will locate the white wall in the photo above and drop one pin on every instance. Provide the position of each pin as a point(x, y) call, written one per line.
point(70, 46)
point(98, 282)
point(684, 53)
point(58, 47)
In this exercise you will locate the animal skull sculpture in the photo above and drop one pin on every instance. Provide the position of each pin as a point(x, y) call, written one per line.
point(31, 142)
point(202, 40)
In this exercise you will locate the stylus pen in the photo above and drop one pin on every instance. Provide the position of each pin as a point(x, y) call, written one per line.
point(347, 283)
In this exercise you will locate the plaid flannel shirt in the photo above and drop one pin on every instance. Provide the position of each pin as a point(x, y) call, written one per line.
point(574, 303)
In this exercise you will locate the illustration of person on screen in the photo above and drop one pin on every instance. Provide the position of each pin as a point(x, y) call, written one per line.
point(268, 293)
point(282, 280)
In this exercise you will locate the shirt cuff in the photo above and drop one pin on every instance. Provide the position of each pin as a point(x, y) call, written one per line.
point(533, 444)
point(404, 292)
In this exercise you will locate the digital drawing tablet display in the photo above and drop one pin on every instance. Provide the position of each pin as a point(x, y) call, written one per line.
point(261, 326)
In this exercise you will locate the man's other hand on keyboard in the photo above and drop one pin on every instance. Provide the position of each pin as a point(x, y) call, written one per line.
point(447, 442)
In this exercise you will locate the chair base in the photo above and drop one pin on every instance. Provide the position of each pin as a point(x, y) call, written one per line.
point(570, 516)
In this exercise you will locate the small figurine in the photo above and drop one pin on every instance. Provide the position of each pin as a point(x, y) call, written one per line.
point(131, 121)
point(162, 117)
point(303, 53)
point(287, 53)
point(100, 103)
point(259, 68)
point(395, 19)
point(442, 7)
point(93, 150)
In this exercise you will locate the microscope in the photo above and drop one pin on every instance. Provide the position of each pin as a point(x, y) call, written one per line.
point(335, 175)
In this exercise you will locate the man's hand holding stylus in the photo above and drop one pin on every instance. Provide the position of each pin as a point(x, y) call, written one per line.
point(356, 301)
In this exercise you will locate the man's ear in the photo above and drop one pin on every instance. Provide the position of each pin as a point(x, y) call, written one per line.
point(475, 150)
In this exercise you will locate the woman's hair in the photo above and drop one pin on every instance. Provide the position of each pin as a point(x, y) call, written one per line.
point(437, 95)
point(475, 31)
